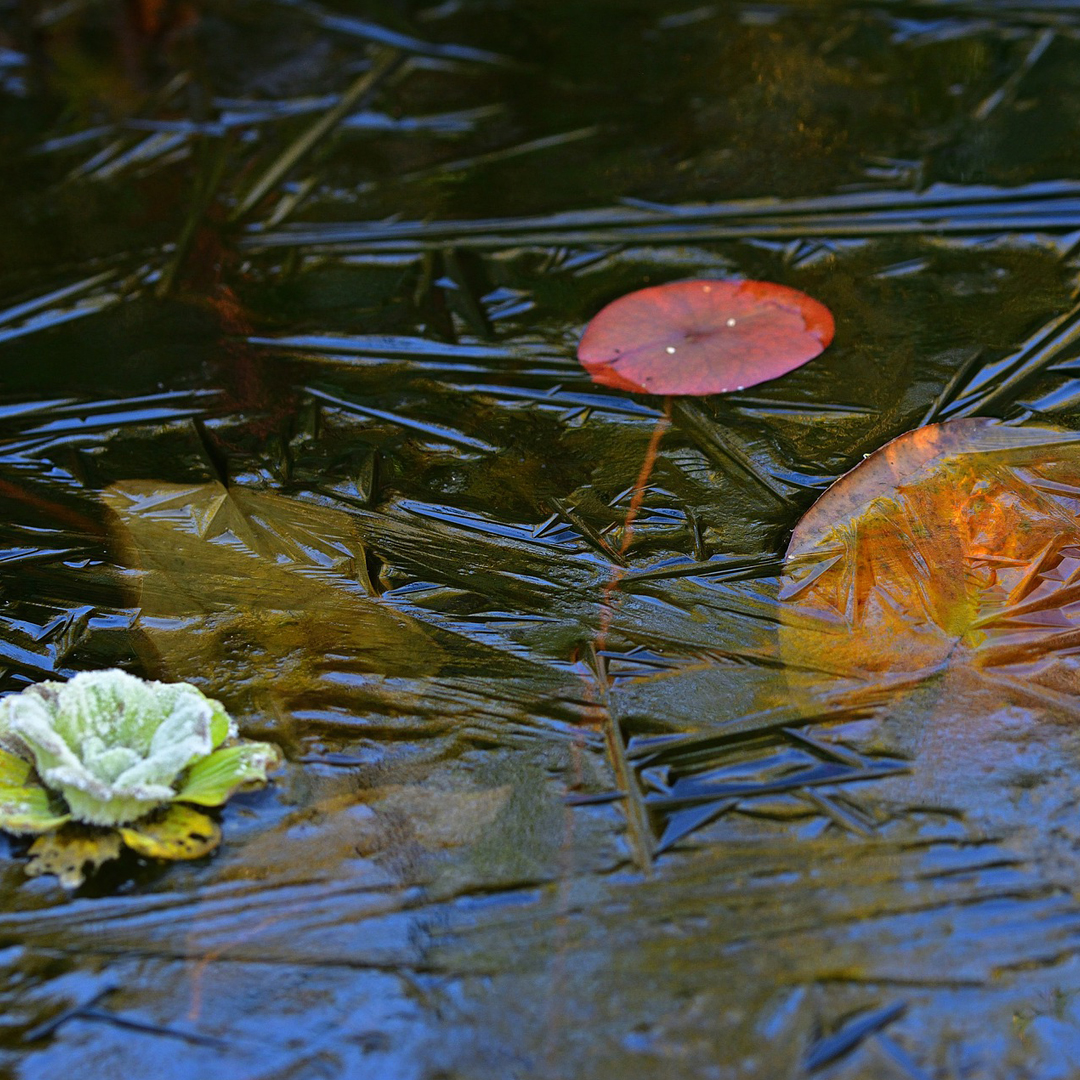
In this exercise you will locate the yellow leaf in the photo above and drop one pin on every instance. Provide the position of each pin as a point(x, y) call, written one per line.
point(178, 833)
point(25, 806)
point(73, 852)
point(14, 770)
point(954, 545)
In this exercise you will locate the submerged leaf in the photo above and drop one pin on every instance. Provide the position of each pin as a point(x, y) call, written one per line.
point(248, 587)
point(178, 833)
point(930, 604)
point(704, 337)
point(327, 839)
point(72, 853)
point(956, 544)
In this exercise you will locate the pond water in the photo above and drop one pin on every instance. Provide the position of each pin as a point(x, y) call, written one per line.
point(289, 301)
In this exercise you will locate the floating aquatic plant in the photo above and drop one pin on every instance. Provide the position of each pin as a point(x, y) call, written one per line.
point(698, 338)
point(704, 337)
point(109, 760)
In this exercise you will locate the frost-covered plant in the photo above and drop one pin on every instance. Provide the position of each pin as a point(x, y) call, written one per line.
point(108, 749)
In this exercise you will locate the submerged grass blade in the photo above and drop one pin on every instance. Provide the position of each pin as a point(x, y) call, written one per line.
point(722, 447)
point(637, 813)
point(29, 307)
point(960, 377)
point(430, 430)
point(599, 542)
point(548, 142)
point(104, 164)
point(467, 290)
point(1009, 87)
point(718, 568)
point(835, 1046)
point(383, 64)
point(205, 190)
point(840, 816)
point(383, 35)
point(684, 822)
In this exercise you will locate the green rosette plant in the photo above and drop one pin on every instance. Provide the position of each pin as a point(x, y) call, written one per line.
point(108, 760)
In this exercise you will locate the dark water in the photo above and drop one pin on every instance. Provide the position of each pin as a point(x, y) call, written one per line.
point(289, 297)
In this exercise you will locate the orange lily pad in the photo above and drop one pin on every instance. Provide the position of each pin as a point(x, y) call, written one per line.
point(955, 544)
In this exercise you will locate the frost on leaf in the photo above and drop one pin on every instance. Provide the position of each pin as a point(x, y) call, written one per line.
point(108, 759)
point(111, 744)
point(25, 806)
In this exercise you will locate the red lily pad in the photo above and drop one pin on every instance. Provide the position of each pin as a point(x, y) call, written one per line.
point(703, 337)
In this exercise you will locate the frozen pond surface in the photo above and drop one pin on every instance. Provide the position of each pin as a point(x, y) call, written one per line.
point(289, 301)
